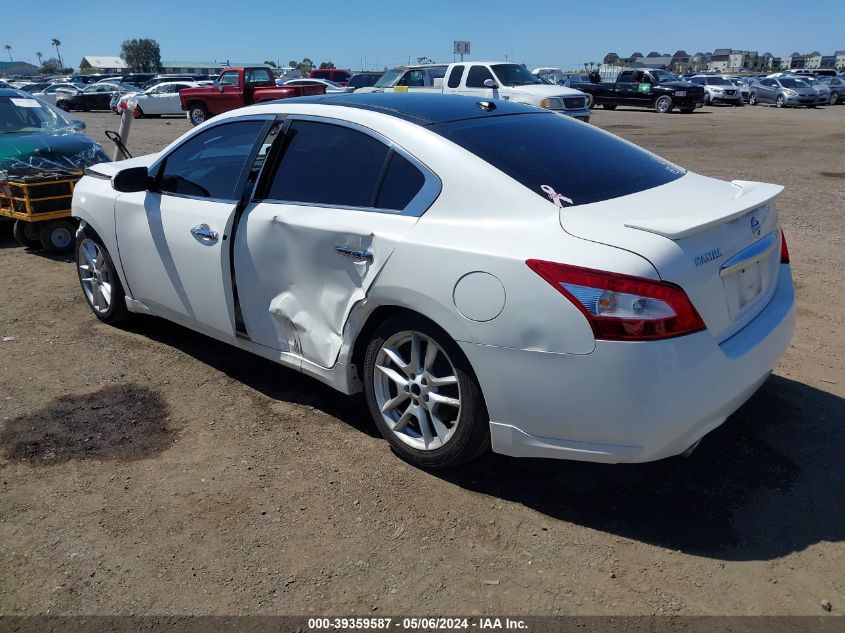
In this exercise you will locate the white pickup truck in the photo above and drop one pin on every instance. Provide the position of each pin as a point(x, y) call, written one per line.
point(490, 80)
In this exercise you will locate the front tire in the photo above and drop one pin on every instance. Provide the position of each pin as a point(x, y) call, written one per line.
point(27, 234)
point(780, 102)
point(100, 284)
point(590, 100)
point(57, 236)
point(664, 104)
point(423, 395)
point(834, 98)
point(752, 100)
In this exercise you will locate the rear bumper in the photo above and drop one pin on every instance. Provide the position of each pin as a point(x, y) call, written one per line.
point(629, 402)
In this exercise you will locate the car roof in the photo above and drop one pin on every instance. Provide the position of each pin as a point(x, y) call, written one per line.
point(418, 108)
point(11, 92)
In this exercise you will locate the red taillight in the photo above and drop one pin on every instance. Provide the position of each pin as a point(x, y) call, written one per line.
point(621, 307)
point(784, 250)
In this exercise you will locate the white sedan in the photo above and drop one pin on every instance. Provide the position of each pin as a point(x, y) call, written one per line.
point(487, 273)
point(54, 91)
point(330, 86)
point(160, 99)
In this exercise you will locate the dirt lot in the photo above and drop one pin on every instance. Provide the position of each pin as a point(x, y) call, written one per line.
point(153, 470)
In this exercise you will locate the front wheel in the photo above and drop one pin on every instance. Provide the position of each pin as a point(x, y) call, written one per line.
point(752, 100)
point(663, 104)
point(57, 236)
point(100, 283)
point(780, 102)
point(590, 100)
point(423, 395)
point(834, 98)
point(27, 234)
point(197, 113)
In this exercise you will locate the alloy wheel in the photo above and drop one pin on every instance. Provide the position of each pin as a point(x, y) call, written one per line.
point(95, 275)
point(417, 391)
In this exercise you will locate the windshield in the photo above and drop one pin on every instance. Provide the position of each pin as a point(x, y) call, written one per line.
point(794, 83)
point(718, 81)
point(548, 152)
point(515, 75)
point(389, 78)
point(25, 115)
point(661, 76)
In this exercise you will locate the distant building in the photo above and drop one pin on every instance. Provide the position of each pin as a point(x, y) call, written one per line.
point(839, 63)
point(201, 68)
point(8, 69)
point(611, 59)
point(813, 60)
point(99, 64)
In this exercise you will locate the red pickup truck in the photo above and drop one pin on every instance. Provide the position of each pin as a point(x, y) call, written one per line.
point(235, 88)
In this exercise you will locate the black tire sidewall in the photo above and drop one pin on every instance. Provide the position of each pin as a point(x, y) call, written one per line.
point(473, 434)
point(19, 232)
point(117, 311)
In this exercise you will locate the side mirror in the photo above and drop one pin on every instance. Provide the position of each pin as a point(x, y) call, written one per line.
point(130, 180)
point(489, 83)
point(78, 126)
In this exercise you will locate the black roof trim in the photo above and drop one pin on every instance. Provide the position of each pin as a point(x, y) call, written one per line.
point(421, 109)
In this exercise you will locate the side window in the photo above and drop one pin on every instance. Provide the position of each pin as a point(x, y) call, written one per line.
point(211, 163)
point(229, 78)
point(626, 77)
point(434, 76)
point(455, 76)
point(477, 75)
point(402, 181)
point(257, 75)
point(412, 79)
point(328, 164)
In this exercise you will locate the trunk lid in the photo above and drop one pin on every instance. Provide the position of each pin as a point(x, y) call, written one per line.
point(719, 241)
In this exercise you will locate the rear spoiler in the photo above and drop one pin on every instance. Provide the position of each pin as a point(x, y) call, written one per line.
point(751, 195)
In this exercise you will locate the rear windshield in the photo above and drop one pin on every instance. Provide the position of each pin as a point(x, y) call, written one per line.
point(553, 154)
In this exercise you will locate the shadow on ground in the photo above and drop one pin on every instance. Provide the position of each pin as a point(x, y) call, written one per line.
point(768, 482)
point(121, 422)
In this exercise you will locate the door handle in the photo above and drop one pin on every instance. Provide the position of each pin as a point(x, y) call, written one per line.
point(205, 232)
point(354, 254)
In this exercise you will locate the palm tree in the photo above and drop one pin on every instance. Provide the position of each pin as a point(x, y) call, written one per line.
point(9, 50)
point(57, 43)
point(40, 59)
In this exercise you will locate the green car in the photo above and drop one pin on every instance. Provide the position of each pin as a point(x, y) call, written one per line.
point(42, 154)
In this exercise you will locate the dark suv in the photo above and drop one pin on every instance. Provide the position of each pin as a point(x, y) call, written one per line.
point(364, 80)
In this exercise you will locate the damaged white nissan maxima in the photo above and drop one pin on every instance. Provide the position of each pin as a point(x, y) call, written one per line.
point(489, 274)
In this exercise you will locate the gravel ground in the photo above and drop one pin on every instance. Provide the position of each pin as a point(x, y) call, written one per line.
point(152, 470)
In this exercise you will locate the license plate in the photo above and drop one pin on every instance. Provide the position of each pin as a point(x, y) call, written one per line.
point(749, 284)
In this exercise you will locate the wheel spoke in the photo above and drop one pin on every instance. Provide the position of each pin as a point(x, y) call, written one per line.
point(430, 354)
point(415, 351)
point(434, 381)
point(105, 290)
point(402, 422)
point(393, 375)
point(90, 257)
point(425, 425)
point(439, 427)
point(98, 297)
point(393, 354)
point(438, 398)
point(394, 402)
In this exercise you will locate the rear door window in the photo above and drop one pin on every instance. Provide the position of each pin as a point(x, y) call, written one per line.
point(328, 164)
point(547, 153)
point(402, 181)
point(455, 76)
point(477, 75)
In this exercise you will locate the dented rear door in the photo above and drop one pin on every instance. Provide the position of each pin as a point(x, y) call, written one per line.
point(331, 210)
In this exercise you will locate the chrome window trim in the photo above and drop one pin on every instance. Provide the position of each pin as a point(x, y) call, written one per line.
point(416, 207)
point(157, 164)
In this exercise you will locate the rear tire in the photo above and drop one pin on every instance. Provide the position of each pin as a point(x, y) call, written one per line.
point(100, 284)
point(688, 110)
point(27, 234)
point(197, 113)
point(138, 113)
point(57, 236)
point(63, 105)
point(609, 106)
point(455, 427)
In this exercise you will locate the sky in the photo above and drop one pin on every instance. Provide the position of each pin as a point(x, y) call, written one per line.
point(379, 33)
